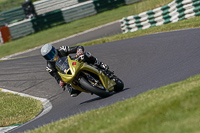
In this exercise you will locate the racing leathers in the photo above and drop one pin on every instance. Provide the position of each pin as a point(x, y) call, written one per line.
point(79, 51)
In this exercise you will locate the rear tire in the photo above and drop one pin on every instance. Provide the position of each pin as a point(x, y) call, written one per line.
point(93, 89)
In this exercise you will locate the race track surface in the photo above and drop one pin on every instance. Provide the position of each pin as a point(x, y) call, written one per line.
point(143, 63)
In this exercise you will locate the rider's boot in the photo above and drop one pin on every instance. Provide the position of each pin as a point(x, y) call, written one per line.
point(92, 60)
point(73, 92)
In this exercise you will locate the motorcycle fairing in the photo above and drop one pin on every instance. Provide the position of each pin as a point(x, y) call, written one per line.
point(73, 68)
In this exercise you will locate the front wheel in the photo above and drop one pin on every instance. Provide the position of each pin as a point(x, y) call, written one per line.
point(119, 84)
point(99, 91)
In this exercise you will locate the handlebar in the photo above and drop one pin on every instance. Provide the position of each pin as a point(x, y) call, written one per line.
point(80, 58)
point(77, 59)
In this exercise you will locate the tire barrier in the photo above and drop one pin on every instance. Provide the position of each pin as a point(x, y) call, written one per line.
point(171, 13)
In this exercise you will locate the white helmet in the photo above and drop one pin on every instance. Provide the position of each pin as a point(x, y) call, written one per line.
point(49, 52)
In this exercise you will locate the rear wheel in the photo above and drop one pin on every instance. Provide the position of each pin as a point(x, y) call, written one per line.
point(91, 87)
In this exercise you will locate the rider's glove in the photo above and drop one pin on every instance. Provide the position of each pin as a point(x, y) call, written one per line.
point(79, 52)
point(62, 84)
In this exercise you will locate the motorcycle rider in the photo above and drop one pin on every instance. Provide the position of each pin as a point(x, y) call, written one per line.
point(51, 54)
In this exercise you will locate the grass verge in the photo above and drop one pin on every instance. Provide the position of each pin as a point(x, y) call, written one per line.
point(172, 108)
point(15, 109)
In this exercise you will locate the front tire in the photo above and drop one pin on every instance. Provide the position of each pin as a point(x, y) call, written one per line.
point(86, 85)
point(119, 84)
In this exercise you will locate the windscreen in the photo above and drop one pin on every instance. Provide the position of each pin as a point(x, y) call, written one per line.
point(62, 65)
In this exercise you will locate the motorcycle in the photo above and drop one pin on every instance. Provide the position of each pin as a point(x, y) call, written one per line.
point(88, 78)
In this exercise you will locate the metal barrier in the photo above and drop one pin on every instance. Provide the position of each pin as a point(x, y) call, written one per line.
point(78, 11)
point(44, 6)
point(20, 29)
point(47, 20)
point(10, 16)
point(79, 1)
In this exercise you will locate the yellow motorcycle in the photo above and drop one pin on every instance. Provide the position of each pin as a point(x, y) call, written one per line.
point(88, 78)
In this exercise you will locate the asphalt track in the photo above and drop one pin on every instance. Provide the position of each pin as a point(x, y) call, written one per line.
point(143, 63)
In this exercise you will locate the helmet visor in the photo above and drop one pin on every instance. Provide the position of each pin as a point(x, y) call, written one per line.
point(51, 55)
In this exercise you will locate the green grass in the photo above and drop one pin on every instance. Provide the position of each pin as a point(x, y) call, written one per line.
point(77, 27)
point(170, 109)
point(15, 109)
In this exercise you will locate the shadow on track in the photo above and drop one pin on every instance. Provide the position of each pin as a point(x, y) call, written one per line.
point(99, 98)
